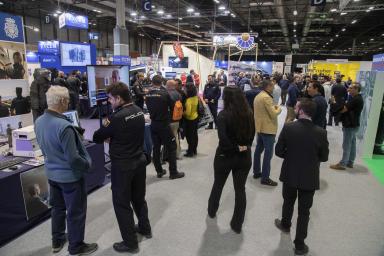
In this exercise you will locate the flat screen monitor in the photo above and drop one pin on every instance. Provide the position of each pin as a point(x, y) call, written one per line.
point(73, 117)
point(175, 62)
point(100, 77)
point(170, 75)
point(75, 54)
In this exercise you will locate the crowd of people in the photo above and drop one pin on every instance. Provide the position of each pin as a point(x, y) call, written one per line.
point(175, 110)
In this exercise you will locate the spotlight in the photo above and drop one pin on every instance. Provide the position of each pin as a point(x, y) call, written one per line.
point(134, 14)
point(221, 7)
point(334, 10)
point(343, 29)
point(343, 13)
point(160, 12)
point(190, 10)
point(294, 23)
point(354, 21)
point(295, 12)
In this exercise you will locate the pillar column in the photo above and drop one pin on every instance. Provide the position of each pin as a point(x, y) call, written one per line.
point(120, 33)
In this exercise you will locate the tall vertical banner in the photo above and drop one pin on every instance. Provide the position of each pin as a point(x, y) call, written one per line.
point(12, 47)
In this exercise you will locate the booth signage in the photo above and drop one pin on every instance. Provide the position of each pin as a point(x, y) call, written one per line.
point(32, 57)
point(147, 5)
point(121, 60)
point(93, 35)
point(378, 62)
point(70, 20)
point(52, 47)
point(244, 42)
point(11, 28)
point(50, 60)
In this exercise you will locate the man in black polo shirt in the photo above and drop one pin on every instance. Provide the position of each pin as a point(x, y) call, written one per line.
point(125, 132)
point(320, 117)
point(159, 104)
point(350, 118)
point(20, 105)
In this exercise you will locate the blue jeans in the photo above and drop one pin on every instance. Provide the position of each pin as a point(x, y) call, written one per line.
point(349, 146)
point(69, 203)
point(265, 143)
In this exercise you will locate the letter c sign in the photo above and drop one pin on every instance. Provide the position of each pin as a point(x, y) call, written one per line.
point(147, 5)
point(318, 2)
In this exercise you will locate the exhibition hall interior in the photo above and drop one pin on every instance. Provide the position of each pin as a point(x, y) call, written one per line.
point(180, 127)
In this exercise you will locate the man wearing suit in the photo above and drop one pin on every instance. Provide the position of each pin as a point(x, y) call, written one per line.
point(265, 113)
point(302, 145)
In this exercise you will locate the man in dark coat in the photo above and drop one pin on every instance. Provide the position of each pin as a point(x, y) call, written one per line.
point(314, 92)
point(74, 86)
point(339, 96)
point(303, 146)
point(212, 95)
point(38, 89)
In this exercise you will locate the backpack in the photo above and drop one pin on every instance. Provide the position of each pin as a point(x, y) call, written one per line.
point(177, 111)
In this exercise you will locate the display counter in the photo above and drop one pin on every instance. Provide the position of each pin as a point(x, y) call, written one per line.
point(13, 218)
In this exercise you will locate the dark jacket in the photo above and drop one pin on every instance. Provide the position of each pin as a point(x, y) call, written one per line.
point(38, 89)
point(351, 118)
point(139, 93)
point(228, 142)
point(126, 133)
point(66, 159)
point(284, 84)
point(21, 105)
point(74, 86)
point(303, 146)
point(251, 95)
point(320, 117)
point(159, 104)
point(293, 95)
point(212, 92)
point(341, 95)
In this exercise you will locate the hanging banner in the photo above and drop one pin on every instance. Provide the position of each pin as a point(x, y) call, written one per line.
point(178, 50)
point(51, 47)
point(70, 20)
point(11, 28)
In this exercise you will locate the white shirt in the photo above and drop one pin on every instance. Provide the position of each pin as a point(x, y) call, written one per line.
point(327, 91)
point(276, 94)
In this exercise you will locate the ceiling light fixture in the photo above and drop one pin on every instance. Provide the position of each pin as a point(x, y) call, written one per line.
point(354, 21)
point(59, 12)
point(142, 17)
point(343, 13)
point(331, 40)
point(226, 12)
point(197, 14)
point(233, 15)
point(372, 39)
point(381, 48)
point(362, 43)
point(55, 15)
point(1, 3)
point(294, 30)
point(334, 10)
point(180, 18)
point(36, 29)
point(327, 43)
point(337, 35)
point(169, 16)
point(217, 1)
point(153, 7)
point(133, 14)
point(295, 12)
point(161, 12)
point(371, 8)
point(222, 7)
point(294, 23)
point(190, 10)
point(343, 29)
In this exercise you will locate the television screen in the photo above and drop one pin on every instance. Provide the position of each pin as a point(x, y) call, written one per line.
point(75, 54)
point(100, 77)
point(175, 62)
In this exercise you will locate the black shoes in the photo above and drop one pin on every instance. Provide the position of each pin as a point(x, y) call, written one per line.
point(281, 227)
point(235, 229)
point(257, 175)
point(178, 175)
point(350, 165)
point(189, 155)
point(122, 247)
point(85, 249)
point(302, 250)
point(147, 235)
point(161, 174)
point(57, 246)
point(269, 182)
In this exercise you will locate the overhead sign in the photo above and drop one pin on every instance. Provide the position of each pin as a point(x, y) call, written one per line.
point(244, 42)
point(147, 5)
point(93, 35)
point(121, 60)
point(52, 47)
point(337, 60)
point(318, 2)
point(378, 62)
point(288, 59)
point(49, 61)
point(11, 28)
point(70, 20)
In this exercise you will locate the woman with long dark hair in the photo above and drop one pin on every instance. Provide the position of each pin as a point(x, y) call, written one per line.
point(236, 130)
point(191, 119)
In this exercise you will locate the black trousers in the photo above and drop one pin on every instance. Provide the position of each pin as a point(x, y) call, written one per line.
point(128, 187)
point(305, 200)
point(283, 96)
point(162, 135)
point(213, 109)
point(191, 135)
point(69, 203)
point(239, 164)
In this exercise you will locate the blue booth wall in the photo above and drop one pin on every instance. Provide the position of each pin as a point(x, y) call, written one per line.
point(54, 61)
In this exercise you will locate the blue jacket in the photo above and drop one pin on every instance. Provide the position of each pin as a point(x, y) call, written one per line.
point(66, 158)
point(284, 84)
point(293, 94)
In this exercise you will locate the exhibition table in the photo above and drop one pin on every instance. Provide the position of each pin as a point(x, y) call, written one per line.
point(13, 220)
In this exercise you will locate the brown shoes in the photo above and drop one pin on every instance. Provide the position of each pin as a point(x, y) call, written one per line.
point(337, 167)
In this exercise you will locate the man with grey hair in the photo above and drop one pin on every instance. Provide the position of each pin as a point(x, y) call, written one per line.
point(66, 161)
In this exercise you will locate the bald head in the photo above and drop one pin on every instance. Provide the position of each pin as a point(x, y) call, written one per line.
point(171, 84)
